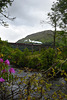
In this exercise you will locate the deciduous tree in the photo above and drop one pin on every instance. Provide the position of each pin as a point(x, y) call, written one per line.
point(54, 19)
point(3, 5)
point(58, 16)
point(62, 10)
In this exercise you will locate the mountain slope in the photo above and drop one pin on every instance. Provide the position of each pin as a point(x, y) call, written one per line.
point(44, 36)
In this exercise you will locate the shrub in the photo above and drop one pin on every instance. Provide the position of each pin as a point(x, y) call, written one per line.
point(18, 58)
point(62, 52)
point(26, 51)
point(64, 67)
point(5, 51)
point(47, 58)
point(34, 63)
point(23, 62)
point(62, 64)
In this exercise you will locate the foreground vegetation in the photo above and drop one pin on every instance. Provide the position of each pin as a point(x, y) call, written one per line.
point(49, 63)
point(38, 60)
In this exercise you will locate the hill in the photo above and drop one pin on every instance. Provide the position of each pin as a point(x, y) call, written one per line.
point(39, 37)
point(45, 37)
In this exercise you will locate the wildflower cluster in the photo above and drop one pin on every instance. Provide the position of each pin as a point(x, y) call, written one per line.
point(5, 72)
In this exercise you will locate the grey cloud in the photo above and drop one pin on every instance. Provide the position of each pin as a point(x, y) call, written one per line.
point(29, 12)
point(28, 15)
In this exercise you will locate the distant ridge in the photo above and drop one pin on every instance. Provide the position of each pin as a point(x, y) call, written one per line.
point(43, 36)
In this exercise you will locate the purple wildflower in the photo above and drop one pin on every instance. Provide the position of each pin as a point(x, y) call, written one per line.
point(7, 62)
point(1, 60)
point(11, 70)
point(1, 79)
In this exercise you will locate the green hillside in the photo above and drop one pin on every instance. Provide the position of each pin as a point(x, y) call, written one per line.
point(45, 37)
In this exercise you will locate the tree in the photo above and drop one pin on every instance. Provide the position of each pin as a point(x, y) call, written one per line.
point(54, 19)
point(62, 10)
point(3, 5)
point(58, 16)
point(62, 13)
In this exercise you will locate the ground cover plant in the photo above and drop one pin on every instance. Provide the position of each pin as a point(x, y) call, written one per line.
point(30, 87)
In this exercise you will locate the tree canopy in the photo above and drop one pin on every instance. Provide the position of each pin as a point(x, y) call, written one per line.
point(3, 5)
point(58, 16)
point(62, 10)
point(54, 18)
point(59, 10)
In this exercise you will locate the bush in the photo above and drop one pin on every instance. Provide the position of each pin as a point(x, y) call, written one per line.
point(18, 58)
point(62, 53)
point(6, 52)
point(47, 58)
point(26, 51)
point(62, 64)
point(64, 67)
point(34, 63)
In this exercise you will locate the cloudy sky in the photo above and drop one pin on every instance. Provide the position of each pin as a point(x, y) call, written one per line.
point(29, 16)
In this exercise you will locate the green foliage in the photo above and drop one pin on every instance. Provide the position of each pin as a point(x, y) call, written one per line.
point(24, 61)
point(62, 53)
point(3, 5)
point(47, 58)
point(18, 58)
point(64, 66)
point(5, 51)
point(54, 20)
point(37, 60)
point(3, 43)
point(34, 63)
point(59, 15)
point(62, 9)
point(26, 51)
point(53, 15)
point(62, 37)
point(34, 86)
